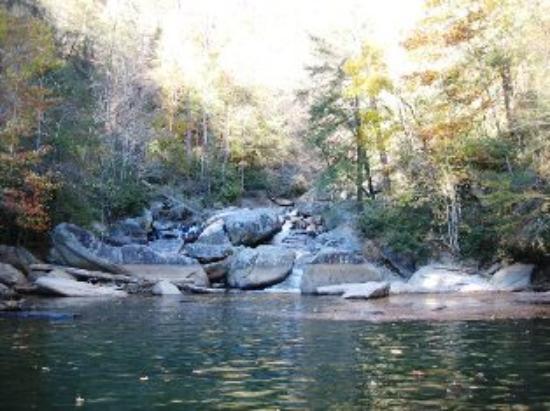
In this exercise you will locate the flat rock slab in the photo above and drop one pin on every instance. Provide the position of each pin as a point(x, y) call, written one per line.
point(372, 289)
point(321, 275)
point(71, 288)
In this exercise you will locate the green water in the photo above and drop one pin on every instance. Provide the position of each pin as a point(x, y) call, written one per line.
point(251, 352)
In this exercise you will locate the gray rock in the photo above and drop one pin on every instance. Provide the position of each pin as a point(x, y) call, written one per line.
point(320, 275)
point(214, 233)
point(74, 246)
point(176, 274)
point(251, 227)
point(128, 231)
point(516, 277)
point(71, 288)
point(6, 292)
point(343, 237)
point(337, 256)
point(260, 267)
point(207, 253)
point(165, 288)
point(10, 276)
point(218, 270)
point(141, 254)
point(367, 291)
point(18, 257)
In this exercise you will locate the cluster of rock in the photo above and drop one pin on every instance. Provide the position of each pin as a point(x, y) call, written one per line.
point(172, 248)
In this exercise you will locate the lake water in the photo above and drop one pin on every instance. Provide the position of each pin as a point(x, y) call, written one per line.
point(248, 351)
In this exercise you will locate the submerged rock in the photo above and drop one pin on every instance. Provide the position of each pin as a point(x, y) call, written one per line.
point(516, 277)
point(71, 288)
point(260, 267)
point(165, 288)
point(321, 275)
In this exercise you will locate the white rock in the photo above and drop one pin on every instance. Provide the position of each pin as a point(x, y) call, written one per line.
point(165, 288)
point(516, 277)
point(71, 288)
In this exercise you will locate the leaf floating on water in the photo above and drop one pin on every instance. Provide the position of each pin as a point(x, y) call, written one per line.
point(144, 378)
point(418, 373)
point(396, 351)
point(79, 401)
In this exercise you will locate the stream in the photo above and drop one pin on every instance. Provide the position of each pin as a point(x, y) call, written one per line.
point(254, 351)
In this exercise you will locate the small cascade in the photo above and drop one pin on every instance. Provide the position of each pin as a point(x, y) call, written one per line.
point(299, 237)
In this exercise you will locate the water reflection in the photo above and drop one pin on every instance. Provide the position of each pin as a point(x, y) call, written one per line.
point(231, 352)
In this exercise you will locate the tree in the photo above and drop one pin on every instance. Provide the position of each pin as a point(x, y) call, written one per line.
point(26, 187)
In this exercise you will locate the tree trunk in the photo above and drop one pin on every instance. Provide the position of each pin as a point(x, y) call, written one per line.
point(383, 155)
point(508, 92)
point(360, 153)
point(225, 137)
point(188, 132)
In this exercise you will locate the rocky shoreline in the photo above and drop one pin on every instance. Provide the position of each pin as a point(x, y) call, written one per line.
point(173, 248)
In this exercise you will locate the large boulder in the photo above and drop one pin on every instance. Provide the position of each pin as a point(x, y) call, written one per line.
point(11, 276)
point(516, 277)
point(402, 262)
point(442, 279)
point(321, 275)
point(165, 288)
point(76, 247)
point(207, 253)
point(18, 257)
point(251, 227)
point(260, 267)
point(71, 288)
point(180, 275)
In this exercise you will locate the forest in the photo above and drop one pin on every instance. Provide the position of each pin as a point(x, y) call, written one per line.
point(102, 109)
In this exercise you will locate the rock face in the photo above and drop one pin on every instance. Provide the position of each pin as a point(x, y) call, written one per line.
point(321, 275)
point(251, 227)
point(516, 277)
point(165, 288)
point(71, 288)
point(441, 279)
point(74, 247)
point(11, 276)
point(260, 267)
point(367, 291)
